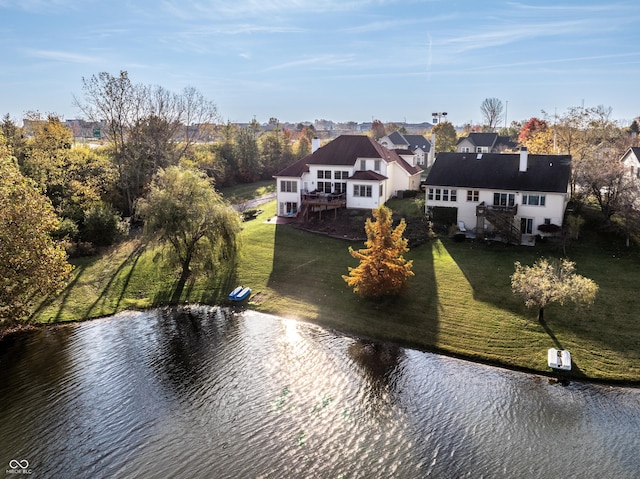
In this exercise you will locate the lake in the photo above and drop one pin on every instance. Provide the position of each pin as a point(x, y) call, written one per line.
point(210, 393)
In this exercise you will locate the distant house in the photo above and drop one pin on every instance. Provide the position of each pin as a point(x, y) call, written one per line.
point(484, 143)
point(352, 171)
point(631, 161)
point(506, 195)
point(418, 145)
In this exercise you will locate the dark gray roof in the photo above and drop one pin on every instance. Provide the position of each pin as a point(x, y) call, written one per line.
point(490, 140)
point(418, 141)
point(545, 173)
point(397, 139)
point(481, 139)
point(345, 150)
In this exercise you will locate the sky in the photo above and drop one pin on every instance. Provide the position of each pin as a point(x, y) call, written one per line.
point(341, 60)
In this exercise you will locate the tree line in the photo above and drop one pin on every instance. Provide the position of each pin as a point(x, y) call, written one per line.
point(155, 167)
point(83, 197)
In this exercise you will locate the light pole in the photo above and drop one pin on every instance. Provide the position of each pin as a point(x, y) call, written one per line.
point(437, 116)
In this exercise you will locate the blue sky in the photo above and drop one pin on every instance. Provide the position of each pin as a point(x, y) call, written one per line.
point(342, 60)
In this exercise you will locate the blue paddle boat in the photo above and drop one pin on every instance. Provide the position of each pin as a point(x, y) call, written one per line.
point(239, 294)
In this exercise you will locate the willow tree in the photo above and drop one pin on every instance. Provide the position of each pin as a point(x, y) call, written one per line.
point(551, 281)
point(32, 265)
point(184, 212)
point(383, 270)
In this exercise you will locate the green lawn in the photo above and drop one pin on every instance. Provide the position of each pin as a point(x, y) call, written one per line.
point(458, 302)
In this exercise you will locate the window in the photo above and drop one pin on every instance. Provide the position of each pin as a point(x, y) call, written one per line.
point(534, 200)
point(473, 195)
point(340, 187)
point(547, 221)
point(324, 186)
point(478, 149)
point(362, 191)
point(287, 186)
point(376, 165)
point(442, 194)
point(504, 199)
point(363, 165)
point(340, 175)
point(466, 149)
point(381, 190)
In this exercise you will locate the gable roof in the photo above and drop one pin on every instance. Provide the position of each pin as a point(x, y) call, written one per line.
point(410, 142)
point(496, 171)
point(634, 150)
point(490, 140)
point(418, 141)
point(397, 139)
point(345, 150)
point(480, 139)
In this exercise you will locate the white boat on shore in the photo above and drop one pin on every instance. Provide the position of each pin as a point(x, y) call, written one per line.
point(559, 359)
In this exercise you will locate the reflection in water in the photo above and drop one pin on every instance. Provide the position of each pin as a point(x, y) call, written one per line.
point(205, 392)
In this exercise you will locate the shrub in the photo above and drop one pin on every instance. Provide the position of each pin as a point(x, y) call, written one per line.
point(103, 226)
point(550, 228)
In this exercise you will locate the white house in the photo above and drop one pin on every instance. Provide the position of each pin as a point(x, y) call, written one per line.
point(631, 161)
point(510, 195)
point(417, 145)
point(352, 171)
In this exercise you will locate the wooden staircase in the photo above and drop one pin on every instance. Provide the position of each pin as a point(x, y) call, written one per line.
point(502, 219)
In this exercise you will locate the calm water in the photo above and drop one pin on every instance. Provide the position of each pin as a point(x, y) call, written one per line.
point(204, 393)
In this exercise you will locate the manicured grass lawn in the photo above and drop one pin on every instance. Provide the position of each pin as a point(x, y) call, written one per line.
point(458, 302)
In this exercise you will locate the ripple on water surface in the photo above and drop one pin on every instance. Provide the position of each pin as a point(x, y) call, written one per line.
point(204, 392)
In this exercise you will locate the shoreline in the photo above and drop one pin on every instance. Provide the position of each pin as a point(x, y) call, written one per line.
point(562, 378)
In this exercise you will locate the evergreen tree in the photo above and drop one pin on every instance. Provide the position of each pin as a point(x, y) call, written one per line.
point(383, 270)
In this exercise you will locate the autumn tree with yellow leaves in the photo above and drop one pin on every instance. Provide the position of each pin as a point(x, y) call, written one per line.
point(383, 270)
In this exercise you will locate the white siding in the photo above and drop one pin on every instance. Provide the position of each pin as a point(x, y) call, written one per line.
point(555, 204)
point(362, 201)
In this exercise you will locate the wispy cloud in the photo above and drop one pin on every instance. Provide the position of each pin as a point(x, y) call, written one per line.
point(504, 35)
point(39, 6)
point(188, 9)
point(322, 60)
point(62, 56)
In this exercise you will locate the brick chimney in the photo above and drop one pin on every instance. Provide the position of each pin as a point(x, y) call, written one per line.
point(524, 159)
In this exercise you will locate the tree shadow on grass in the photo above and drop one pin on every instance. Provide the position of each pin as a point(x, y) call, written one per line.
point(553, 337)
point(132, 260)
point(211, 287)
point(308, 267)
point(63, 296)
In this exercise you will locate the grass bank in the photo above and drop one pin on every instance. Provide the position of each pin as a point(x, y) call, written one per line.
point(459, 302)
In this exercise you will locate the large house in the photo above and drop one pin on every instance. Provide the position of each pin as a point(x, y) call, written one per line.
point(484, 143)
point(352, 171)
point(507, 195)
point(418, 145)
